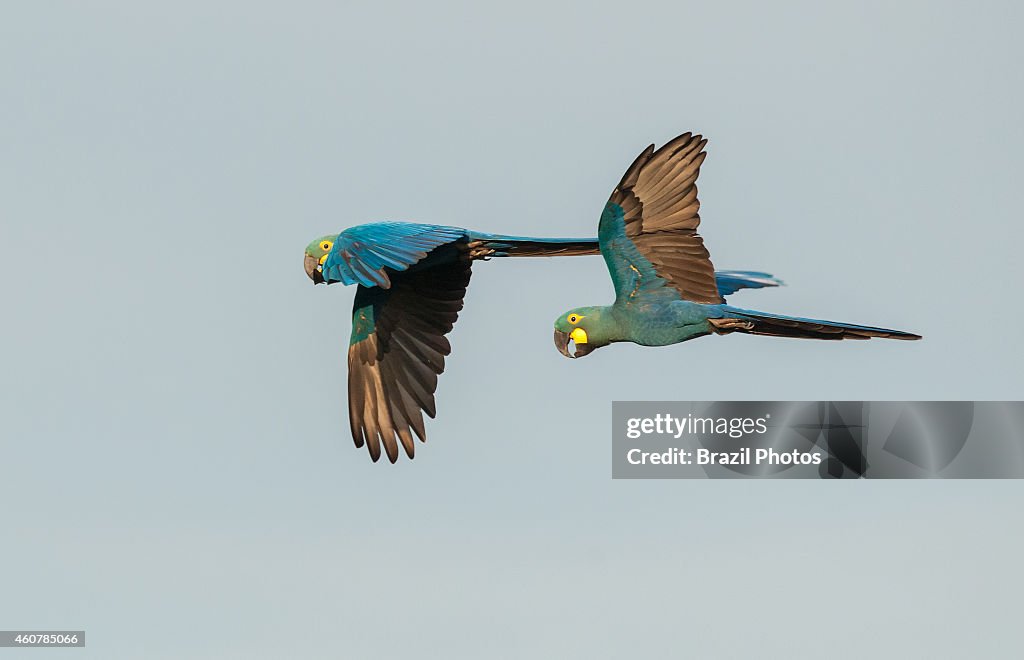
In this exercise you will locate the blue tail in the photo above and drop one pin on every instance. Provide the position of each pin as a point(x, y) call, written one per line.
point(731, 281)
point(734, 319)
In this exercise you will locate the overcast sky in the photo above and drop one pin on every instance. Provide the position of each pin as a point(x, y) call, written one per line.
point(177, 471)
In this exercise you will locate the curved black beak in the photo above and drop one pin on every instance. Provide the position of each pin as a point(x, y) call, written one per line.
point(562, 341)
point(312, 267)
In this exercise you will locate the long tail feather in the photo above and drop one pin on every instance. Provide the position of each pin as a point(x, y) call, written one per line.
point(496, 245)
point(761, 323)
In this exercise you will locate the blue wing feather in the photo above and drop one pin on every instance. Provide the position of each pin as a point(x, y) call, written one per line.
point(360, 254)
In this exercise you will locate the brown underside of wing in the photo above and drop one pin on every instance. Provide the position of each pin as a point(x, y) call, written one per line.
point(393, 371)
point(658, 195)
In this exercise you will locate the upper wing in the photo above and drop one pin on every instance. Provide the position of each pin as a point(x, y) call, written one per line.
point(361, 254)
point(396, 352)
point(648, 230)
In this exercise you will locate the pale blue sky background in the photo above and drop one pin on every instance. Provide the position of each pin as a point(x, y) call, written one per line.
point(177, 474)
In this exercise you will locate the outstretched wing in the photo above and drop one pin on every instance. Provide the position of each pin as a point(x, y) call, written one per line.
point(396, 352)
point(360, 254)
point(648, 230)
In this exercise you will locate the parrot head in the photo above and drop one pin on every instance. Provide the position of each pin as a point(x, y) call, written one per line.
point(316, 255)
point(582, 328)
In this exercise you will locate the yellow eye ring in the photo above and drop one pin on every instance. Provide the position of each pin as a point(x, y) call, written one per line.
point(325, 246)
point(573, 319)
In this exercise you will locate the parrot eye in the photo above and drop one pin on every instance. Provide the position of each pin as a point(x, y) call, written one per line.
point(573, 319)
point(325, 246)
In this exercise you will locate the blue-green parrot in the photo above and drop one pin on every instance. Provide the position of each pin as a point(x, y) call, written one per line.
point(665, 286)
point(412, 279)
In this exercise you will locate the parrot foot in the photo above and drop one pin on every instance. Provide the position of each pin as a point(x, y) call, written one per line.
point(477, 251)
point(725, 326)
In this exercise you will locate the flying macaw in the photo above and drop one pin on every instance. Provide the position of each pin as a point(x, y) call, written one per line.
point(412, 279)
point(665, 285)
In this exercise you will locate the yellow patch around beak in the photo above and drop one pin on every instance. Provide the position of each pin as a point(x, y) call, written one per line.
point(323, 259)
point(579, 335)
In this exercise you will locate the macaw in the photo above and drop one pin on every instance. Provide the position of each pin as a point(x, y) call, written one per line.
point(411, 282)
point(665, 286)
